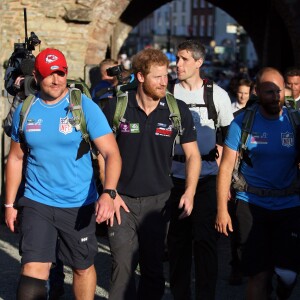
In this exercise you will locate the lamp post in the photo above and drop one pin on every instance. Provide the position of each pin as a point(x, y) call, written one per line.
point(168, 40)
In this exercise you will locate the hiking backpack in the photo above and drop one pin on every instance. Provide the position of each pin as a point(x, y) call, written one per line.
point(122, 101)
point(238, 181)
point(76, 89)
point(207, 97)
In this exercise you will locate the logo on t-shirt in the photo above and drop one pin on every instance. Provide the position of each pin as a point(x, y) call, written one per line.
point(126, 127)
point(135, 128)
point(64, 126)
point(34, 126)
point(163, 129)
point(287, 139)
point(259, 138)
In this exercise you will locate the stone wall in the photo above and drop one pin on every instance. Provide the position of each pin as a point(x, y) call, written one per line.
point(81, 29)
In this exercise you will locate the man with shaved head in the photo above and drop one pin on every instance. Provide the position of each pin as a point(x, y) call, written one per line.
point(268, 204)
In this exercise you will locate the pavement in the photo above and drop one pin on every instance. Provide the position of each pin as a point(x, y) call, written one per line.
point(10, 268)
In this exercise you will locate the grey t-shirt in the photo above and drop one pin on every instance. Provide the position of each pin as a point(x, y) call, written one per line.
point(206, 134)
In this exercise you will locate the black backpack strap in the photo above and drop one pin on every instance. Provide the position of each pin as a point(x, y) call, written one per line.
point(171, 85)
point(27, 103)
point(209, 102)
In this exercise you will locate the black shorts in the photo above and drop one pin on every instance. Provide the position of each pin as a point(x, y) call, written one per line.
point(47, 230)
point(268, 238)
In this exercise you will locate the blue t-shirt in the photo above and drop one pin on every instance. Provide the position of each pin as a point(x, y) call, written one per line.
point(102, 85)
point(59, 169)
point(272, 152)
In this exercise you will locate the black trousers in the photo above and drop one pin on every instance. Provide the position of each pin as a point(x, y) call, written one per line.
point(139, 239)
point(194, 236)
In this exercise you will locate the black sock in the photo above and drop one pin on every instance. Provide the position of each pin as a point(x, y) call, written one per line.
point(30, 288)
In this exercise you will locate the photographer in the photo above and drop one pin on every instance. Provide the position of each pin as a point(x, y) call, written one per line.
point(18, 98)
point(105, 88)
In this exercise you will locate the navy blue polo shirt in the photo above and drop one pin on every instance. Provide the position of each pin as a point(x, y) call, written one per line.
point(146, 144)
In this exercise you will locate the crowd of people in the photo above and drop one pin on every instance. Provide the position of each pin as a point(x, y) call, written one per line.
point(182, 159)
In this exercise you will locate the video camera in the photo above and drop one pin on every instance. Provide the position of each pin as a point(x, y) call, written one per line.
point(126, 81)
point(21, 63)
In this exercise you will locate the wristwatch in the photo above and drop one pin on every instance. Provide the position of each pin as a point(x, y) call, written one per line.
point(111, 193)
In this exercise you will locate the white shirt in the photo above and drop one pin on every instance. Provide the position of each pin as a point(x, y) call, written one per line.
point(206, 134)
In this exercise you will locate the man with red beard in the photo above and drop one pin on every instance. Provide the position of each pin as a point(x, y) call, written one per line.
point(146, 136)
point(268, 203)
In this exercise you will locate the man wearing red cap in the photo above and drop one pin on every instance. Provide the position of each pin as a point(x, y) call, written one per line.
point(60, 201)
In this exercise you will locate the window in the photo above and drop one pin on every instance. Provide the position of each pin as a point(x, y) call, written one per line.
point(195, 25)
point(202, 26)
point(210, 25)
point(195, 3)
point(202, 3)
point(175, 6)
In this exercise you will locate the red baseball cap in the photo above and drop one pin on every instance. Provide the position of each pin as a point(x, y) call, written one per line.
point(49, 61)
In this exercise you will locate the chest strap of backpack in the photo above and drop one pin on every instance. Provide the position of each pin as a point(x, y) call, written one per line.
point(27, 103)
point(122, 101)
point(175, 117)
point(75, 107)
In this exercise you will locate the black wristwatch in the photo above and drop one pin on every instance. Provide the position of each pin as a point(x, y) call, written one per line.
point(112, 193)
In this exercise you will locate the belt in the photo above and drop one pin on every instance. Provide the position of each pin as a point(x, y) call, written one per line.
point(180, 158)
point(292, 190)
point(207, 157)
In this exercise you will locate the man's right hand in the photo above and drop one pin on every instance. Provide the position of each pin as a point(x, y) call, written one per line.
point(11, 218)
point(223, 222)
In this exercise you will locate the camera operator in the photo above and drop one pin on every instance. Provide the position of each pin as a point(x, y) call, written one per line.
point(18, 98)
point(104, 90)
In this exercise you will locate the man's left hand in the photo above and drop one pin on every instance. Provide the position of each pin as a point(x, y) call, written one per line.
point(104, 208)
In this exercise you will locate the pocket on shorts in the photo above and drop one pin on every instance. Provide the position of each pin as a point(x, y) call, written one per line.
point(87, 247)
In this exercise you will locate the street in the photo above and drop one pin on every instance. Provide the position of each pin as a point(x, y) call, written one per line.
point(10, 267)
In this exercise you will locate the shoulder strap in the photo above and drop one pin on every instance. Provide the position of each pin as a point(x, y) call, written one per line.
point(78, 116)
point(294, 116)
point(246, 129)
point(81, 85)
point(209, 102)
point(175, 113)
point(175, 117)
point(122, 101)
point(171, 85)
point(247, 124)
point(27, 103)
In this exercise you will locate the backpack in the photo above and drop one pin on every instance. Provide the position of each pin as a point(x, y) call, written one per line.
point(122, 101)
point(211, 111)
point(238, 181)
point(207, 97)
point(76, 88)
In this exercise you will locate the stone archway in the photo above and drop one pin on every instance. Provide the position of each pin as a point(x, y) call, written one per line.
point(82, 29)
